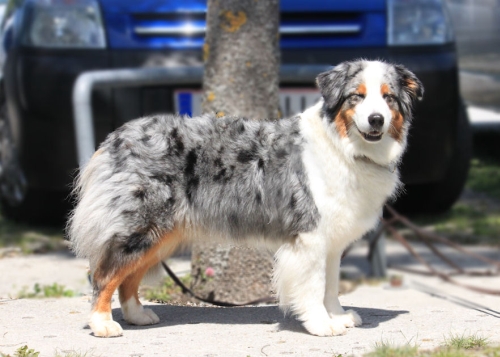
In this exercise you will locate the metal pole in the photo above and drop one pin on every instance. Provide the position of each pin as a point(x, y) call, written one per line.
point(379, 258)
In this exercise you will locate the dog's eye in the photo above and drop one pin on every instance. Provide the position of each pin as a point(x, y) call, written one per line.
point(356, 98)
point(389, 99)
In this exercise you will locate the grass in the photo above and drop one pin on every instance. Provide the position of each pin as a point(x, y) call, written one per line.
point(466, 223)
point(484, 176)
point(46, 291)
point(385, 349)
point(25, 351)
point(30, 239)
point(466, 342)
point(477, 219)
point(455, 346)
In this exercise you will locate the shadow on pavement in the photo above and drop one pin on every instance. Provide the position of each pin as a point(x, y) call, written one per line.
point(261, 315)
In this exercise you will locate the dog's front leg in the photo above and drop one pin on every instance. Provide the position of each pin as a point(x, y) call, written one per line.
point(347, 318)
point(300, 280)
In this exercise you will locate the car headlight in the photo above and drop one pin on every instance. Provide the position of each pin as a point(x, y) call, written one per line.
point(64, 24)
point(418, 22)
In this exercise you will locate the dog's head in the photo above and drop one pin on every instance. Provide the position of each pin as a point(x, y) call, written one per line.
point(369, 103)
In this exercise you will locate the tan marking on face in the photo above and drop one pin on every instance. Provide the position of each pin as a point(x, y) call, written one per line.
point(129, 277)
point(343, 121)
point(396, 128)
point(361, 89)
point(384, 89)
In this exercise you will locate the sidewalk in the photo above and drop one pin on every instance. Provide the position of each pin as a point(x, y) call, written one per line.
point(404, 315)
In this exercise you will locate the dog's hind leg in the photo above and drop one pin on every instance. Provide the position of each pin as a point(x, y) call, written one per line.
point(133, 311)
point(110, 275)
point(105, 284)
point(348, 318)
point(300, 280)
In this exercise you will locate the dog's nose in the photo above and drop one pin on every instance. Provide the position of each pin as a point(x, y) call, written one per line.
point(376, 121)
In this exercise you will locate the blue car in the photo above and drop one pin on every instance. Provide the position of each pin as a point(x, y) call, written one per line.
point(47, 44)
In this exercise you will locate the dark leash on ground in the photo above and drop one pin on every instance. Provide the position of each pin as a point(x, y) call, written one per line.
point(186, 290)
point(428, 238)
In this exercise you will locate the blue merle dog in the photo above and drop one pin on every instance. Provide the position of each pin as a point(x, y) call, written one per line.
point(306, 187)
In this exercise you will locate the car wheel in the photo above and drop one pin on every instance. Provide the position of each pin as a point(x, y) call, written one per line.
point(12, 180)
point(439, 197)
point(17, 201)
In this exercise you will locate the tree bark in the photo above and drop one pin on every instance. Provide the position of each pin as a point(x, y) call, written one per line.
point(241, 55)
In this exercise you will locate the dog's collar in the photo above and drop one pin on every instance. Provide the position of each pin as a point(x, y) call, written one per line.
point(391, 167)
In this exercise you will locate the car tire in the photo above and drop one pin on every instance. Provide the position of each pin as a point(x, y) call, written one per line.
point(440, 196)
point(18, 202)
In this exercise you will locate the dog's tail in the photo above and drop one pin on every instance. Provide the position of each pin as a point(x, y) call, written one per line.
point(94, 220)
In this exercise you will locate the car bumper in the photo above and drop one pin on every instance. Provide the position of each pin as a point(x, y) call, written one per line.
point(39, 87)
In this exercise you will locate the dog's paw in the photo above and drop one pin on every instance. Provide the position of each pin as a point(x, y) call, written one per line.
point(325, 327)
point(142, 317)
point(350, 318)
point(103, 326)
point(356, 319)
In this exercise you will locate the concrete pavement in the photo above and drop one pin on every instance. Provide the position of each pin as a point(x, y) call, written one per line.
point(425, 311)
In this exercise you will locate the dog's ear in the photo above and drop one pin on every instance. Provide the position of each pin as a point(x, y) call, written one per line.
point(332, 84)
point(409, 83)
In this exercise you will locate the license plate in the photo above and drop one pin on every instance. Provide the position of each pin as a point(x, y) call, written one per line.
point(292, 101)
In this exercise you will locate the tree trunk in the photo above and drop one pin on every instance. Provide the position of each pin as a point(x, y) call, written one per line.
point(241, 55)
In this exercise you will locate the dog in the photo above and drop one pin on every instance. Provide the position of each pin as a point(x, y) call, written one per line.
point(305, 186)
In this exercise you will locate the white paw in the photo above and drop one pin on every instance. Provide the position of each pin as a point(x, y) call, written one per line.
point(324, 327)
point(355, 317)
point(350, 318)
point(141, 317)
point(103, 326)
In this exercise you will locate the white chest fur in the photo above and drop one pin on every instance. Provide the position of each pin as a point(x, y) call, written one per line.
point(348, 192)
